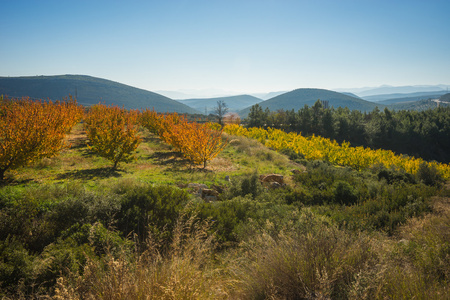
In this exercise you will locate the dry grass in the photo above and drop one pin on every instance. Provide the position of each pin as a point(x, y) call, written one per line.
point(185, 271)
point(315, 261)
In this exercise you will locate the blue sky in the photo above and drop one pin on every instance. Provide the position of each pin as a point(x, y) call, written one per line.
point(241, 46)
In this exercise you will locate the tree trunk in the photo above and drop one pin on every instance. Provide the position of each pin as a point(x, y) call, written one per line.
point(2, 175)
point(204, 164)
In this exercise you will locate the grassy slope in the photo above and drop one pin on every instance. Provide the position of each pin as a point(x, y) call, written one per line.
point(89, 90)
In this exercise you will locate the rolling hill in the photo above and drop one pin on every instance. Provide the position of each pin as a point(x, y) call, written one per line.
point(297, 99)
point(88, 91)
point(234, 103)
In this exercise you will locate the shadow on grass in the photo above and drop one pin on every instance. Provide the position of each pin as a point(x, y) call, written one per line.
point(89, 174)
point(9, 180)
point(173, 161)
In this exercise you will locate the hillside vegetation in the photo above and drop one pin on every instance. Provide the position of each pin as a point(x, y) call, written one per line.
point(297, 99)
point(89, 91)
point(424, 134)
point(162, 227)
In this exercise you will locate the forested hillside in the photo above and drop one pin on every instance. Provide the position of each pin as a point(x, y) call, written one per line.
point(88, 91)
point(298, 98)
point(423, 134)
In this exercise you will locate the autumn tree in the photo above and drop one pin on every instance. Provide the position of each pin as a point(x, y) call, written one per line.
point(199, 142)
point(112, 132)
point(151, 120)
point(31, 130)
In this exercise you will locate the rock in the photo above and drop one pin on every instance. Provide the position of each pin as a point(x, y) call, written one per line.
point(272, 178)
point(209, 195)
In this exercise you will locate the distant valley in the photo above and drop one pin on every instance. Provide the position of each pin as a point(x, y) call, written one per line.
point(234, 103)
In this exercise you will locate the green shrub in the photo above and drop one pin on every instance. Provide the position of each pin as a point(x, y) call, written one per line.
point(394, 175)
point(248, 185)
point(344, 193)
point(429, 175)
point(148, 209)
point(15, 266)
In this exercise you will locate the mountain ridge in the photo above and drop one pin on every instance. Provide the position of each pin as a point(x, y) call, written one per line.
point(298, 98)
point(89, 90)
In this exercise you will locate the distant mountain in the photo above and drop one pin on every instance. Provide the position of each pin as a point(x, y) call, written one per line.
point(234, 103)
point(386, 89)
point(267, 96)
point(197, 94)
point(399, 96)
point(89, 90)
point(298, 98)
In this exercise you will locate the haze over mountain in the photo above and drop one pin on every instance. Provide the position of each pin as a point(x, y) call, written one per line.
point(387, 89)
point(234, 103)
point(197, 94)
point(410, 99)
point(88, 91)
point(412, 96)
point(267, 96)
point(298, 98)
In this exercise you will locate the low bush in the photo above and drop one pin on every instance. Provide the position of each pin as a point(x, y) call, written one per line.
point(145, 209)
point(429, 175)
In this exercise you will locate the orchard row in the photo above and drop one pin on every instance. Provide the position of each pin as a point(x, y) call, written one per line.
point(31, 130)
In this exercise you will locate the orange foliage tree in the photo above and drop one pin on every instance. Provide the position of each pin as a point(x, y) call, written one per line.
point(31, 130)
point(112, 132)
point(151, 120)
point(199, 143)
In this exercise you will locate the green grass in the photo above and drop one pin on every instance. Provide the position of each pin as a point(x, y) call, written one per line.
point(155, 162)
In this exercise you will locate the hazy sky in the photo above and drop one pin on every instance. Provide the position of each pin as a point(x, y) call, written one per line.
point(245, 46)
